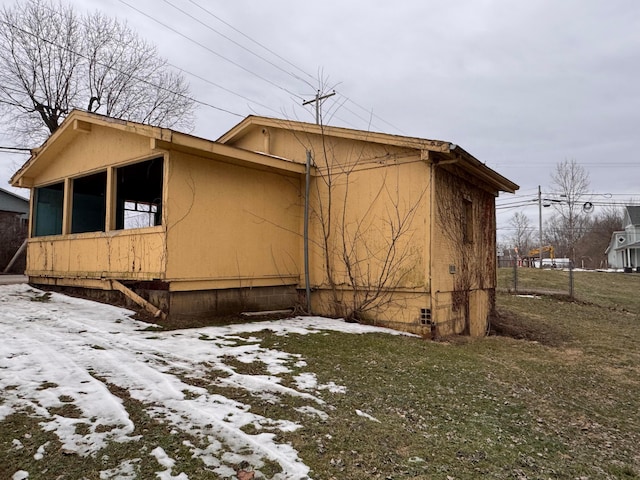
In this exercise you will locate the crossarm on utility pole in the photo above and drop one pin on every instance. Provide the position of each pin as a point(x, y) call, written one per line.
point(317, 100)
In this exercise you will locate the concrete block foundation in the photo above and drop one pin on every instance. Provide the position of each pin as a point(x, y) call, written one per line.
point(189, 308)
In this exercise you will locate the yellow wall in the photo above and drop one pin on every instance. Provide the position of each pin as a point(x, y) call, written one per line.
point(223, 225)
point(463, 273)
point(129, 254)
point(368, 182)
point(124, 254)
point(340, 151)
point(232, 226)
point(229, 226)
point(361, 193)
point(367, 207)
point(90, 152)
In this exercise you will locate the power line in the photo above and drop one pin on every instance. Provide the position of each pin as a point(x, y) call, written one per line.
point(253, 40)
point(140, 79)
point(590, 195)
point(374, 115)
point(297, 77)
point(368, 121)
point(15, 150)
point(517, 198)
point(219, 55)
point(210, 82)
point(588, 164)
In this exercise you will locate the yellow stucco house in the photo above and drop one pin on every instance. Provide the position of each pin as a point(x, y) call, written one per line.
point(392, 230)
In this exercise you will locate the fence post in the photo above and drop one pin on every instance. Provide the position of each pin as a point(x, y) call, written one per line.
point(515, 275)
point(570, 279)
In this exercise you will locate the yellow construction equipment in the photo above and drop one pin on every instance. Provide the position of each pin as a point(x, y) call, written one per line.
point(535, 252)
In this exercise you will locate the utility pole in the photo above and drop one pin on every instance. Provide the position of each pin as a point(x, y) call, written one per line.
point(307, 282)
point(540, 226)
point(317, 100)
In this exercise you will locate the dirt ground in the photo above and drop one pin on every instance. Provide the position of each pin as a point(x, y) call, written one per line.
point(509, 324)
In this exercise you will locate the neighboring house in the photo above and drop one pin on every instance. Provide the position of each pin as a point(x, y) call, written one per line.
point(624, 248)
point(401, 231)
point(14, 214)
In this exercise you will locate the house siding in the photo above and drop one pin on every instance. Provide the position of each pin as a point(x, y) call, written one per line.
point(230, 226)
point(126, 255)
point(361, 175)
point(624, 246)
point(463, 273)
point(408, 239)
point(13, 231)
point(14, 212)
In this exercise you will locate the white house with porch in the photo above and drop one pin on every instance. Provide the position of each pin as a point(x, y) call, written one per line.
point(624, 248)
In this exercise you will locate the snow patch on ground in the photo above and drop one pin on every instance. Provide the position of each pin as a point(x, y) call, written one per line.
point(125, 471)
point(333, 388)
point(60, 352)
point(167, 462)
point(367, 416)
point(41, 451)
point(311, 411)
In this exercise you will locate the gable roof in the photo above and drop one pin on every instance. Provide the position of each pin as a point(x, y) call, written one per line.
point(10, 202)
point(79, 122)
point(454, 152)
point(634, 214)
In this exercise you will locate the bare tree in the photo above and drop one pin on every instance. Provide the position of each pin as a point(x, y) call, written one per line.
point(590, 249)
point(571, 182)
point(522, 237)
point(53, 60)
point(366, 247)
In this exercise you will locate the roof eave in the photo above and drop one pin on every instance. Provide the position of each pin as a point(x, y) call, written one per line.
point(200, 146)
point(362, 135)
point(489, 175)
point(472, 164)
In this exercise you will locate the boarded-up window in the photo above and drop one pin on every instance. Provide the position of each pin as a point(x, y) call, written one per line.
point(89, 203)
point(139, 195)
point(467, 221)
point(47, 210)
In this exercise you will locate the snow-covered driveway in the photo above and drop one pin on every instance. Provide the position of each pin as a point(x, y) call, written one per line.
point(57, 350)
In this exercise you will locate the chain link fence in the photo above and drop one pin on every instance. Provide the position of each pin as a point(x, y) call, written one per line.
point(525, 280)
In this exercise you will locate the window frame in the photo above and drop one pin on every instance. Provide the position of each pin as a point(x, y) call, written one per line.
point(37, 228)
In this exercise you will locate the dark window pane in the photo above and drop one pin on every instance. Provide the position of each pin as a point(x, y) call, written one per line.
point(89, 203)
point(48, 208)
point(139, 195)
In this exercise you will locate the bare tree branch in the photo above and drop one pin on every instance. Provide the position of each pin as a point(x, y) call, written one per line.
point(571, 182)
point(53, 60)
point(522, 238)
point(367, 251)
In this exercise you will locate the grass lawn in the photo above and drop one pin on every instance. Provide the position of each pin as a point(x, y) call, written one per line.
point(563, 404)
point(557, 398)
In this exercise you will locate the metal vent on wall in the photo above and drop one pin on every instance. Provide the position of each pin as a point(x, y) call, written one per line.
point(425, 316)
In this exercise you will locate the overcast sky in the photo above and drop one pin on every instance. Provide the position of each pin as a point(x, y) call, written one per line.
point(520, 85)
